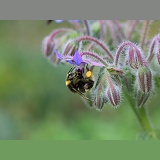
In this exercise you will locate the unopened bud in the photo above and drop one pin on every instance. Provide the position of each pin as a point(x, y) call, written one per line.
point(141, 97)
point(49, 42)
point(99, 97)
point(113, 93)
point(71, 47)
point(135, 57)
point(48, 46)
point(145, 79)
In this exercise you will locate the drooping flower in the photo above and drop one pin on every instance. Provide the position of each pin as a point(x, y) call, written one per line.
point(76, 59)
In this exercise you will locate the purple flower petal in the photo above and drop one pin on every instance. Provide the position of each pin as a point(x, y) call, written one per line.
point(58, 55)
point(71, 61)
point(77, 58)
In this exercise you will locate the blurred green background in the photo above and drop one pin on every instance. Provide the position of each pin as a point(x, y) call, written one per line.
point(36, 104)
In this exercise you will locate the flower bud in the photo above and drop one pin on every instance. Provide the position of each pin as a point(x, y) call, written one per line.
point(48, 46)
point(141, 97)
point(135, 57)
point(49, 42)
point(113, 93)
point(99, 97)
point(71, 48)
point(144, 77)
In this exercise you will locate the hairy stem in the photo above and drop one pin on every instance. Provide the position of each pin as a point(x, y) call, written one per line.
point(93, 55)
point(87, 27)
point(150, 55)
point(119, 50)
point(89, 38)
point(144, 33)
point(57, 31)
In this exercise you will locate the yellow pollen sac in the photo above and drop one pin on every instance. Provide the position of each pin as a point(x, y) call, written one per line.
point(88, 74)
point(68, 82)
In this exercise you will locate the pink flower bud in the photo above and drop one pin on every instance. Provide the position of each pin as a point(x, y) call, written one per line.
point(48, 46)
point(99, 97)
point(145, 79)
point(135, 57)
point(141, 97)
point(48, 43)
point(113, 93)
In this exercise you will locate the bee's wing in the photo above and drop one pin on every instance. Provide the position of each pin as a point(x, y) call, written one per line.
point(81, 94)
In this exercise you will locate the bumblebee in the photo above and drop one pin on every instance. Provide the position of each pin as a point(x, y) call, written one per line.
point(79, 80)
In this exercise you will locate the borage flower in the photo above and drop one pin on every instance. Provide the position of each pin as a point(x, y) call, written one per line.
point(77, 59)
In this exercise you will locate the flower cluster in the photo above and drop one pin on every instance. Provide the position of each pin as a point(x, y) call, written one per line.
point(125, 69)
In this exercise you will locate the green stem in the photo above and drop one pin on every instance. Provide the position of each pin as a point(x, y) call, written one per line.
point(146, 124)
point(142, 116)
point(145, 119)
point(132, 104)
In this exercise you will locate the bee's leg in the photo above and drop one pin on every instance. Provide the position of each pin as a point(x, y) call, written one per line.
point(81, 94)
point(82, 89)
point(71, 69)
